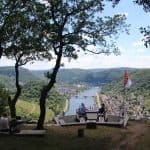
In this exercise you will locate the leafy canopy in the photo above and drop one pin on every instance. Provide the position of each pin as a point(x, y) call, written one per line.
point(145, 30)
point(76, 25)
point(21, 36)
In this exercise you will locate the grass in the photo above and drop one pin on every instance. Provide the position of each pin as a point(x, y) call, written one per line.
point(65, 138)
point(147, 104)
point(31, 109)
point(62, 139)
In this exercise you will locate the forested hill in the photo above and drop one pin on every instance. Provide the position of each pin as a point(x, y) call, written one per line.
point(7, 75)
point(140, 87)
point(140, 84)
point(87, 76)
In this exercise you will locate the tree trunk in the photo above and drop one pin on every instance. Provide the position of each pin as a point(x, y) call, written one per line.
point(45, 91)
point(1, 51)
point(12, 102)
point(42, 109)
point(12, 108)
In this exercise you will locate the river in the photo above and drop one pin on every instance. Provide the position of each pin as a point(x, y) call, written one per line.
point(86, 97)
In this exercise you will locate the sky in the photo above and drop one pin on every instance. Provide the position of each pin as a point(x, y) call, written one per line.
point(133, 52)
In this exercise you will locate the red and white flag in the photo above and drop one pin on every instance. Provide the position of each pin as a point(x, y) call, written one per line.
point(127, 80)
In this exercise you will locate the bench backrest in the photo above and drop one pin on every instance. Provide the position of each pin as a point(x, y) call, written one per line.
point(92, 115)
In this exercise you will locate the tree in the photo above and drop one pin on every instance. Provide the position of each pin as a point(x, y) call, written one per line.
point(144, 3)
point(1, 51)
point(6, 9)
point(3, 19)
point(145, 30)
point(75, 25)
point(23, 39)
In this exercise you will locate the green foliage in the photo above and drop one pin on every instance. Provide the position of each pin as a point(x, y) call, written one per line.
point(55, 101)
point(31, 110)
point(7, 81)
point(146, 33)
point(147, 104)
point(145, 30)
point(86, 76)
point(3, 99)
point(31, 90)
point(7, 74)
point(144, 3)
point(140, 84)
point(86, 27)
point(20, 31)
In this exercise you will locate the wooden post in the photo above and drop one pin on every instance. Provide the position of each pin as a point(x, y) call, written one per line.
point(91, 125)
point(80, 132)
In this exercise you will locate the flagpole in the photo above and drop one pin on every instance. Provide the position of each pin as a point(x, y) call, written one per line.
point(125, 100)
point(125, 92)
point(127, 84)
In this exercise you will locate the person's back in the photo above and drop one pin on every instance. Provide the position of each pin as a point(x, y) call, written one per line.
point(82, 109)
point(102, 109)
point(102, 112)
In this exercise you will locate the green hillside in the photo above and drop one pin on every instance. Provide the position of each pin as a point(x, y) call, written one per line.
point(31, 87)
point(25, 74)
point(32, 110)
point(55, 101)
point(3, 99)
point(9, 82)
point(140, 85)
point(86, 76)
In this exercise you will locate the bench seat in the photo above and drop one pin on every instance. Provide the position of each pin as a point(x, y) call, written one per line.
point(31, 133)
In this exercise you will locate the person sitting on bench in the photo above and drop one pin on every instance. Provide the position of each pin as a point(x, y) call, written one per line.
point(102, 111)
point(81, 111)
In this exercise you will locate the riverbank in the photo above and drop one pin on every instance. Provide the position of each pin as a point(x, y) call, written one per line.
point(100, 98)
point(97, 100)
point(66, 105)
point(116, 103)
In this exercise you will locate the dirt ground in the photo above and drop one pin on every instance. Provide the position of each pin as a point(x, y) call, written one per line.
point(135, 132)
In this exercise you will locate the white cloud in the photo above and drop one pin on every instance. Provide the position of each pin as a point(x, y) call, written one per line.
point(128, 58)
point(140, 50)
point(102, 61)
point(138, 44)
point(139, 47)
point(6, 62)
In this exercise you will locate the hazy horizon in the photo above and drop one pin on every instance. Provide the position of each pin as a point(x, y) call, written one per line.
point(80, 68)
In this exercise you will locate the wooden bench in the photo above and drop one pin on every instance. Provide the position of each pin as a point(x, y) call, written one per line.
point(26, 133)
point(80, 118)
point(92, 115)
point(4, 133)
point(95, 116)
point(92, 118)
